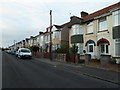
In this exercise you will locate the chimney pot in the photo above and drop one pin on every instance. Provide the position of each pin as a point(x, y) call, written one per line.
point(83, 14)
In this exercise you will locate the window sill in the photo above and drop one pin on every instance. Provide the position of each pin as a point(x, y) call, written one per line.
point(102, 31)
point(116, 57)
point(88, 33)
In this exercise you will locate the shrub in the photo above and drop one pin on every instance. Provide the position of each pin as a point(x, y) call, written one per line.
point(73, 49)
point(34, 48)
point(63, 49)
point(113, 61)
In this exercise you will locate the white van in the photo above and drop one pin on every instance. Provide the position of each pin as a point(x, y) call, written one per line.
point(24, 52)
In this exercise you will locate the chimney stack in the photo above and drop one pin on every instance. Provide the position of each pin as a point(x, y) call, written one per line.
point(83, 14)
point(40, 33)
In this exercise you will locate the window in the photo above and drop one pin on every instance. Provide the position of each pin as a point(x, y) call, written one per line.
point(80, 48)
point(104, 48)
point(102, 24)
point(55, 47)
point(45, 38)
point(90, 48)
point(42, 39)
point(90, 27)
point(37, 39)
point(76, 29)
point(116, 20)
point(55, 34)
point(117, 47)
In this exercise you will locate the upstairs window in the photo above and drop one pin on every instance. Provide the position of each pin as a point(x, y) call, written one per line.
point(37, 39)
point(42, 39)
point(56, 34)
point(90, 27)
point(116, 18)
point(46, 39)
point(76, 29)
point(102, 24)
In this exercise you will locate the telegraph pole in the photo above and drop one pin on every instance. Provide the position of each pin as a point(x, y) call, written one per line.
point(14, 45)
point(50, 35)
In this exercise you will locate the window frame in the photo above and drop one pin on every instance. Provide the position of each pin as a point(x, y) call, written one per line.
point(105, 51)
point(116, 14)
point(89, 26)
point(118, 42)
point(102, 22)
point(76, 29)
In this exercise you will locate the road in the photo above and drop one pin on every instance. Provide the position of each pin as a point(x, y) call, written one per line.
point(25, 73)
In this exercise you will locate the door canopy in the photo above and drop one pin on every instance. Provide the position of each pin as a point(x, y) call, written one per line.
point(89, 42)
point(102, 40)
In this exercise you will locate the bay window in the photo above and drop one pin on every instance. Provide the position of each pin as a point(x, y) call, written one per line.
point(42, 39)
point(76, 29)
point(116, 18)
point(117, 47)
point(80, 48)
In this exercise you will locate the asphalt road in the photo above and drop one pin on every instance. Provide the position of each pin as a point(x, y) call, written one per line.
point(25, 73)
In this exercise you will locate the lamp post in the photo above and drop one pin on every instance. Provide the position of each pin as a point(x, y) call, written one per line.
point(50, 35)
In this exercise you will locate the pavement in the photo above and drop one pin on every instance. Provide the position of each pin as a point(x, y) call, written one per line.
point(106, 75)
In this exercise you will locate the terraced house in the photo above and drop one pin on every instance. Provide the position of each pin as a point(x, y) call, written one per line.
point(97, 33)
point(60, 34)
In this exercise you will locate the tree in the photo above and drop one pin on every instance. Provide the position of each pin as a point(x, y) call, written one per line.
point(73, 49)
point(34, 48)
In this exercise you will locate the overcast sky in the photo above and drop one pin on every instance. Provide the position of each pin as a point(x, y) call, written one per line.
point(20, 19)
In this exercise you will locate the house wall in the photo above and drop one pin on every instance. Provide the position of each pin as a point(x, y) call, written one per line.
point(107, 35)
point(65, 36)
point(90, 37)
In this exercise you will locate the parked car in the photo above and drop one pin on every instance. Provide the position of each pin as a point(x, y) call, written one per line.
point(16, 54)
point(13, 52)
point(8, 51)
point(24, 53)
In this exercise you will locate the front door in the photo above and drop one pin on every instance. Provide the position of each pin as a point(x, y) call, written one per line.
point(90, 50)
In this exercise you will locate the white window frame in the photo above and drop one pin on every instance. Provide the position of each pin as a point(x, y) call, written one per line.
point(88, 48)
point(80, 48)
point(102, 20)
point(89, 28)
point(116, 14)
point(105, 44)
point(76, 29)
point(42, 38)
point(117, 41)
point(56, 35)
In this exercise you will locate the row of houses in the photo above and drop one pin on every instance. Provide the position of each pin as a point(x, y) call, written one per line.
point(97, 34)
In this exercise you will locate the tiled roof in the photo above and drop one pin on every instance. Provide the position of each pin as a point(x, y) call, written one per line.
point(100, 12)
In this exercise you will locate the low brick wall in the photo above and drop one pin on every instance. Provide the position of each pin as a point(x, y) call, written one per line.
point(72, 58)
point(87, 58)
point(59, 57)
point(105, 60)
point(82, 57)
point(46, 55)
point(39, 54)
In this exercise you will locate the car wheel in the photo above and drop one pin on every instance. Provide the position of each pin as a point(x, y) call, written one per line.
point(19, 56)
